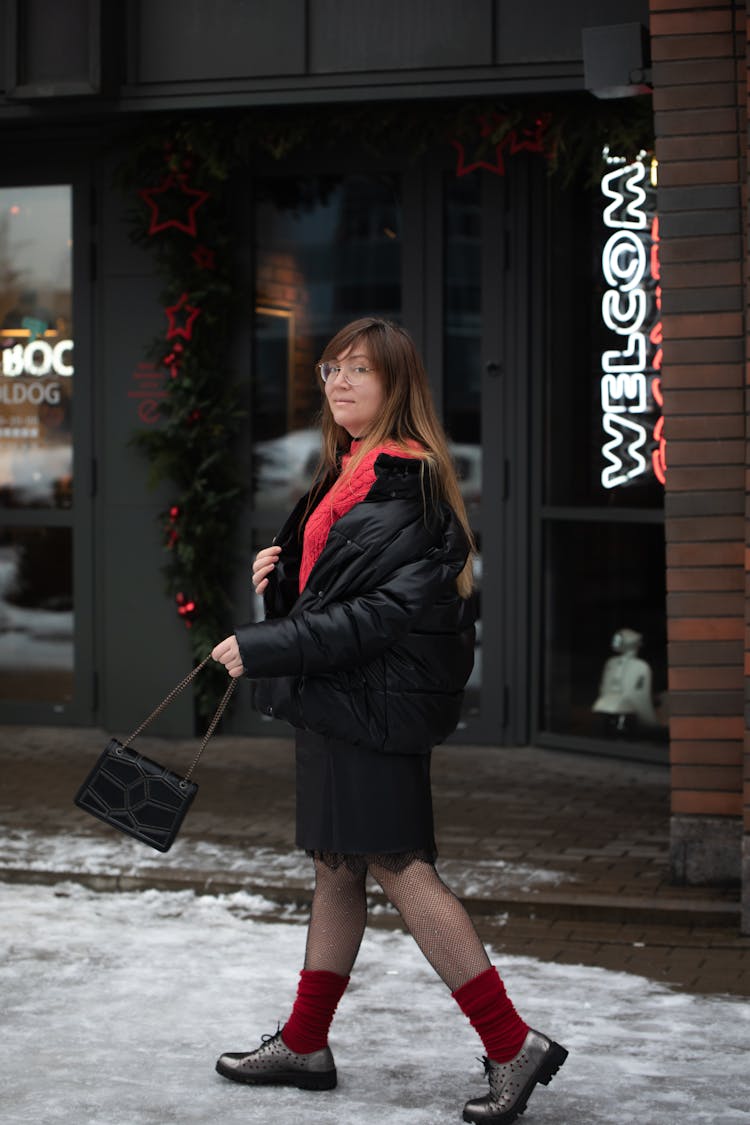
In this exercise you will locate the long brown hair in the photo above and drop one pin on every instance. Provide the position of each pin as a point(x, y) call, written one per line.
point(407, 416)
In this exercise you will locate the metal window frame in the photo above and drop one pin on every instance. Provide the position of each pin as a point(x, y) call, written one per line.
point(81, 517)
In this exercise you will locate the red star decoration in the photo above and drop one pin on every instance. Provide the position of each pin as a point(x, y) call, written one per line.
point(530, 138)
point(487, 126)
point(204, 258)
point(516, 140)
point(463, 169)
point(185, 329)
point(177, 184)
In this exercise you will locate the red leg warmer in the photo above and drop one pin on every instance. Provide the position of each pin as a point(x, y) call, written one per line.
point(485, 1002)
point(318, 994)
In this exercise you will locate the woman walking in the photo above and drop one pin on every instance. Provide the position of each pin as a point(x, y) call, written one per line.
point(366, 647)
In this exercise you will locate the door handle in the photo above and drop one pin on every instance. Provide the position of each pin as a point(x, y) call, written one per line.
point(493, 368)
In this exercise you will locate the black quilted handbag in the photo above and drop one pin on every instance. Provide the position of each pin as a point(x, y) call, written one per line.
point(135, 794)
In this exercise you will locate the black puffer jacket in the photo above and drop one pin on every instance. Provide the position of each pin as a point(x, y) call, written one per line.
point(378, 647)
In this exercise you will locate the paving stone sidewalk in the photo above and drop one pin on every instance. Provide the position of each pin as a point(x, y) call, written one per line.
point(559, 856)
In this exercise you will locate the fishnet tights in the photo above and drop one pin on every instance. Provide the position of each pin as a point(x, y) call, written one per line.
point(337, 919)
point(431, 912)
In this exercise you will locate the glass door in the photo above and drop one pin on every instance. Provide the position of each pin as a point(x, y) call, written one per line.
point(430, 250)
point(600, 611)
point(464, 347)
point(465, 295)
point(325, 249)
point(44, 564)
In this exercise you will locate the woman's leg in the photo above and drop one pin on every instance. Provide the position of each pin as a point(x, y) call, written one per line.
point(445, 933)
point(298, 1055)
point(337, 923)
point(517, 1057)
point(436, 919)
point(337, 919)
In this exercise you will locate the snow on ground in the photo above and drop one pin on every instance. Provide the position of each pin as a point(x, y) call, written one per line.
point(30, 637)
point(115, 1007)
point(24, 849)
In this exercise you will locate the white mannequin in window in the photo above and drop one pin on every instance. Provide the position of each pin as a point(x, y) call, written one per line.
point(625, 687)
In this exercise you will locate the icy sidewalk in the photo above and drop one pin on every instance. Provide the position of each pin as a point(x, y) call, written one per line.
point(116, 1005)
point(111, 861)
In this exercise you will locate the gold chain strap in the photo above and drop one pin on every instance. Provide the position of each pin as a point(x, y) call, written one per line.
point(172, 695)
point(219, 712)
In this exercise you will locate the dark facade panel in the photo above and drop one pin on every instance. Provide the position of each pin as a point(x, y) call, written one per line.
point(178, 41)
point(53, 40)
point(142, 647)
point(142, 644)
point(52, 50)
point(392, 35)
point(3, 45)
point(543, 30)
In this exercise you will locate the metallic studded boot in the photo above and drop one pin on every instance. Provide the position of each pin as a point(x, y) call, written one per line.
point(511, 1083)
point(274, 1064)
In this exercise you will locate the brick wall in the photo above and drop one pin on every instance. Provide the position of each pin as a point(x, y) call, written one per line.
point(742, 75)
point(698, 52)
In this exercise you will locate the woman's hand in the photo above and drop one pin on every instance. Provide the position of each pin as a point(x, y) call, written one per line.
point(265, 561)
point(227, 652)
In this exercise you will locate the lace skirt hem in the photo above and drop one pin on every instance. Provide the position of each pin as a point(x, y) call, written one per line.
point(358, 864)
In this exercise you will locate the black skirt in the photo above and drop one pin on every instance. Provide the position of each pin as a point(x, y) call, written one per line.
point(353, 801)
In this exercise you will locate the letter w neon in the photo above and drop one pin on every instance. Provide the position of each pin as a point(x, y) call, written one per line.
point(633, 217)
point(628, 438)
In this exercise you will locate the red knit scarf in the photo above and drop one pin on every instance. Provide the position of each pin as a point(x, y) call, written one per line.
point(340, 498)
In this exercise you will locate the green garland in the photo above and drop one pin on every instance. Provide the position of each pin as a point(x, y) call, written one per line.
point(578, 127)
point(193, 449)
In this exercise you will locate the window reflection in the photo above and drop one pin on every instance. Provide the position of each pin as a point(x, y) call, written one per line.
point(605, 643)
point(463, 332)
point(328, 250)
point(462, 337)
point(473, 694)
point(36, 614)
point(36, 347)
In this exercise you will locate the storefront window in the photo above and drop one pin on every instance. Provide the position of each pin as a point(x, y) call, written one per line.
point(328, 250)
point(36, 614)
point(603, 597)
point(605, 669)
point(462, 339)
point(36, 347)
point(36, 451)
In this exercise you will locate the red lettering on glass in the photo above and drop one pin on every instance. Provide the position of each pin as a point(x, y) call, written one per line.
point(149, 391)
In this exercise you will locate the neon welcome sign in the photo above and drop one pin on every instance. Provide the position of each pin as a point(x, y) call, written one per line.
point(630, 385)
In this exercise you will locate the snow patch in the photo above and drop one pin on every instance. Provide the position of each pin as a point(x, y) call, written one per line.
point(116, 1006)
point(70, 853)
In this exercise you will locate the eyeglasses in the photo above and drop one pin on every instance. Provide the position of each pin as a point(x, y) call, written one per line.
point(354, 374)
